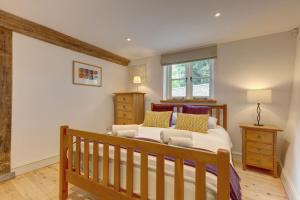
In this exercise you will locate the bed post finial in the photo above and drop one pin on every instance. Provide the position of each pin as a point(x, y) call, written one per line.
point(63, 162)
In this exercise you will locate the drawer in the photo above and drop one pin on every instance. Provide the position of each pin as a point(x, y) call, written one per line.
point(124, 114)
point(121, 121)
point(259, 160)
point(259, 136)
point(126, 98)
point(124, 107)
point(265, 149)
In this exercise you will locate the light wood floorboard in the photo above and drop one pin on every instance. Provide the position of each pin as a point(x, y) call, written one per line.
point(42, 184)
point(257, 185)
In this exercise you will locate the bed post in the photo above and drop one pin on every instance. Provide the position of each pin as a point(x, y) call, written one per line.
point(225, 117)
point(63, 184)
point(223, 171)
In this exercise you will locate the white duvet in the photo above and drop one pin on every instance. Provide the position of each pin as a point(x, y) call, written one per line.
point(215, 139)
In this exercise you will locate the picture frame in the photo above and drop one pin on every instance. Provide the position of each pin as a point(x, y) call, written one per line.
point(87, 74)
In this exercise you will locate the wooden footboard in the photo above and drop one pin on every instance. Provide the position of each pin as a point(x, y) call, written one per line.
point(70, 167)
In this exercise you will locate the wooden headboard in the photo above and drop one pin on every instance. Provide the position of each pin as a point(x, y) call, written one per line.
point(218, 111)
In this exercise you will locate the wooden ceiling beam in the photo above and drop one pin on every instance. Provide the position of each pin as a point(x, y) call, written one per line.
point(34, 30)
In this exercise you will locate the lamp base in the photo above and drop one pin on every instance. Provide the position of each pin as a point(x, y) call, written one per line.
point(258, 124)
point(258, 110)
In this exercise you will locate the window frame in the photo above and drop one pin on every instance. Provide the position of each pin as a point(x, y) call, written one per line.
point(189, 86)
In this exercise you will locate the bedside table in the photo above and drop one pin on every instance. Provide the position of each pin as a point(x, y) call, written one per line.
point(260, 146)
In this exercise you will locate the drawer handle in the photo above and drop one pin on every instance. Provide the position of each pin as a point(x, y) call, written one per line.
point(124, 106)
point(124, 98)
point(258, 149)
point(124, 115)
point(258, 137)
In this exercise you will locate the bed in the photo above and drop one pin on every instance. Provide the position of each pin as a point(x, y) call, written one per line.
point(112, 167)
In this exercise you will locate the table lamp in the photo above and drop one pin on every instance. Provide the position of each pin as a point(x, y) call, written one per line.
point(137, 80)
point(259, 97)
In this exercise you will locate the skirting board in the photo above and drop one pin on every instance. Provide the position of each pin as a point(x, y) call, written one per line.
point(289, 186)
point(6, 177)
point(36, 165)
point(236, 156)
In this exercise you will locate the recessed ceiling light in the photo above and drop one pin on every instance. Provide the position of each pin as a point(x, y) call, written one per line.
point(218, 14)
point(128, 39)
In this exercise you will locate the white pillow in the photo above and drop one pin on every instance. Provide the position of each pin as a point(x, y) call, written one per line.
point(212, 122)
point(174, 118)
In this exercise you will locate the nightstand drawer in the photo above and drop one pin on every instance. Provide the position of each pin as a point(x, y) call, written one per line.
point(124, 121)
point(124, 115)
point(259, 136)
point(124, 98)
point(259, 160)
point(265, 149)
point(124, 107)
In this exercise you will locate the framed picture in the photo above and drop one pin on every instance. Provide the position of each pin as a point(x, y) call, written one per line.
point(86, 74)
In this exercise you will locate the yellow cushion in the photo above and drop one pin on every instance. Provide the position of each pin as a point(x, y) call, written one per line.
point(157, 119)
point(191, 122)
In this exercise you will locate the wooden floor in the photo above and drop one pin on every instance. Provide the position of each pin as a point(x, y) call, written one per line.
point(260, 186)
point(42, 184)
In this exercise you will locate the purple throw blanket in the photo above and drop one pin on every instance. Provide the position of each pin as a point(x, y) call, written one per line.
point(235, 188)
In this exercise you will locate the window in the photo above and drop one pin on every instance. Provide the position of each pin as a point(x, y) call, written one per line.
point(189, 80)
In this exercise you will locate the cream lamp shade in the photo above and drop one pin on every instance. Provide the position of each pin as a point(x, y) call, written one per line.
point(137, 80)
point(259, 96)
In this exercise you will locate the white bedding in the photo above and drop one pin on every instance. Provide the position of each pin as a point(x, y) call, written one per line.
point(213, 140)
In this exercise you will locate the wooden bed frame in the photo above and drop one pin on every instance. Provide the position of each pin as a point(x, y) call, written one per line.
point(70, 166)
point(218, 111)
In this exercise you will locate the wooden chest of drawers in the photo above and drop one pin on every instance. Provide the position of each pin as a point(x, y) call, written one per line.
point(260, 146)
point(129, 107)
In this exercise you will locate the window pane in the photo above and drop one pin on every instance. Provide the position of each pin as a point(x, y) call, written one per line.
point(179, 88)
point(201, 87)
point(178, 71)
point(201, 69)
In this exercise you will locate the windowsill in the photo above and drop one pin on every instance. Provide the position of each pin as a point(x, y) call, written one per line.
point(189, 101)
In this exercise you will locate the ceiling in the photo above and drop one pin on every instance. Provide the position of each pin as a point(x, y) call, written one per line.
point(158, 26)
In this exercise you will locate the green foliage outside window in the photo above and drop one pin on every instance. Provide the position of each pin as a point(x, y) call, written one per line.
point(200, 73)
point(191, 79)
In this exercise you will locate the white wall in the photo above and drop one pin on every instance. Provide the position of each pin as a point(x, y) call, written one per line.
point(153, 85)
point(262, 62)
point(257, 63)
point(291, 147)
point(45, 98)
